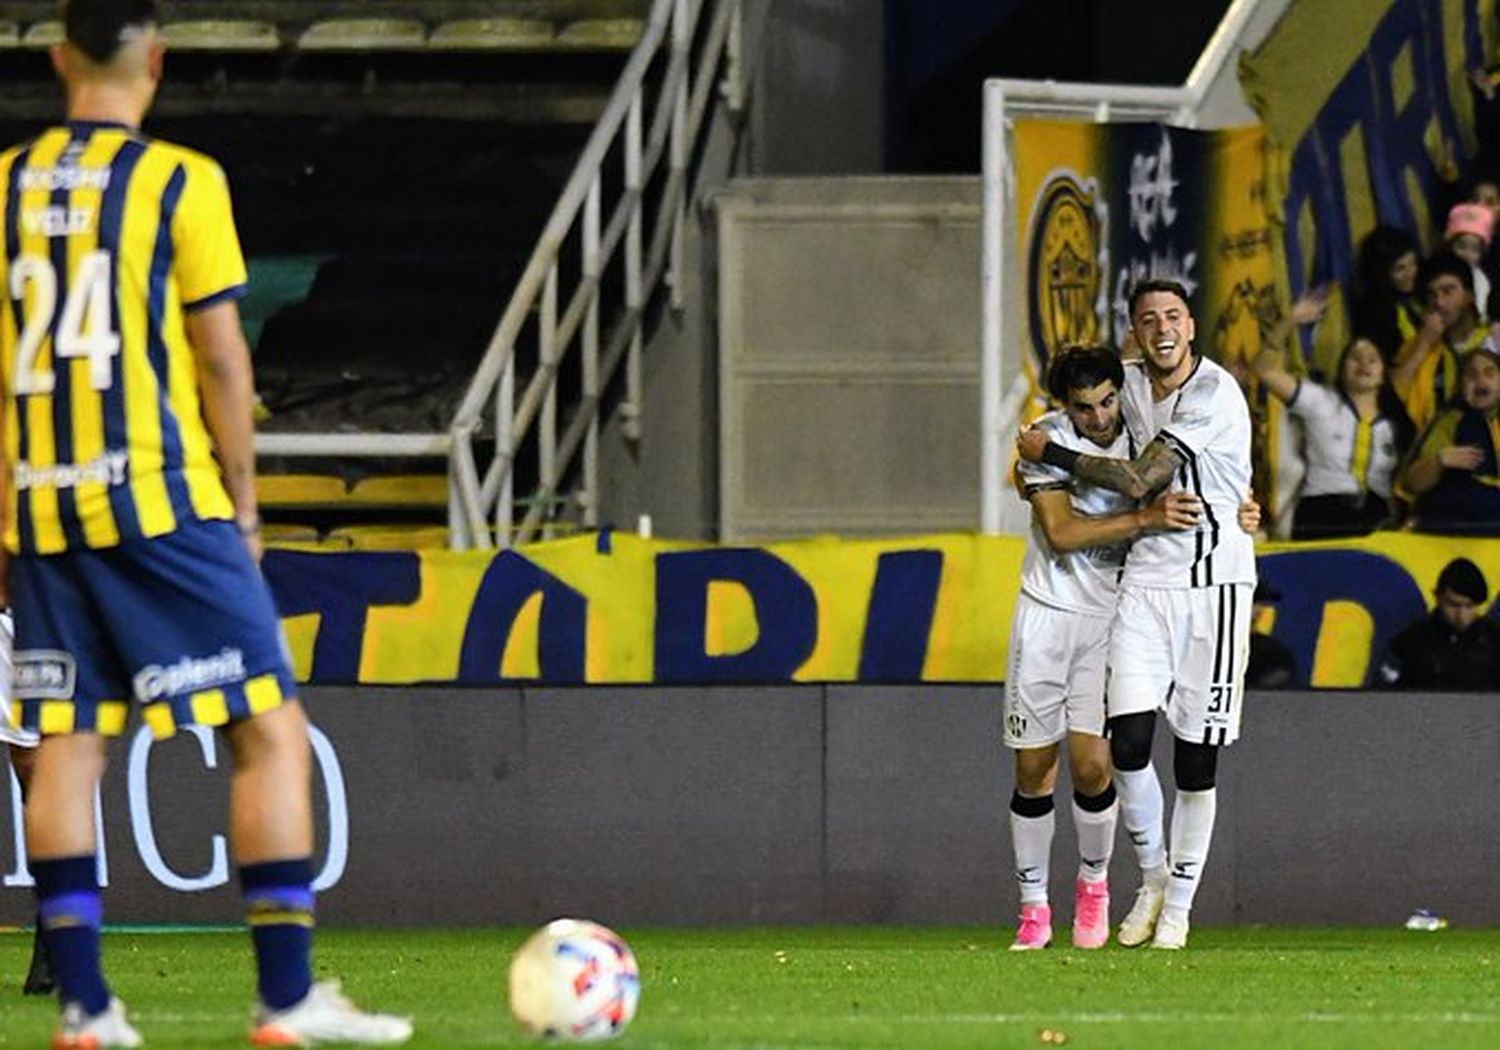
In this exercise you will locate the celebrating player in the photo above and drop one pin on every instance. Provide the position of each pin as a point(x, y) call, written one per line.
point(1054, 687)
point(131, 520)
point(1180, 636)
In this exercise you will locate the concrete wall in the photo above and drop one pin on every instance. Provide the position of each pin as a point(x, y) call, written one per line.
point(820, 92)
point(799, 804)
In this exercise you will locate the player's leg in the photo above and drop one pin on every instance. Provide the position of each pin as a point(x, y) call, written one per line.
point(1094, 817)
point(21, 743)
point(1204, 713)
point(1094, 801)
point(39, 977)
point(62, 855)
point(221, 605)
point(1193, 813)
point(1032, 824)
point(270, 832)
point(1139, 681)
point(1035, 722)
point(68, 690)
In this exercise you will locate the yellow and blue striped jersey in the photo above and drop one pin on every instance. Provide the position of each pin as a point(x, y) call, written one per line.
point(109, 238)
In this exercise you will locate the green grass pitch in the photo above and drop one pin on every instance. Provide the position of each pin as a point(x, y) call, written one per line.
point(853, 987)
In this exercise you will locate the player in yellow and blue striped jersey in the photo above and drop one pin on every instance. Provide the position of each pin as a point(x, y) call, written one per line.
point(130, 519)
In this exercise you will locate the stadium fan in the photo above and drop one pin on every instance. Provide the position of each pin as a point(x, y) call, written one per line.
point(1453, 647)
point(1387, 308)
point(1355, 434)
point(1468, 233)
point(1426, 372)
point(1454, 470)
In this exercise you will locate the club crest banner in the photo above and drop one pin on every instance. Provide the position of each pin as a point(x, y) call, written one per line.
point(1100, 207)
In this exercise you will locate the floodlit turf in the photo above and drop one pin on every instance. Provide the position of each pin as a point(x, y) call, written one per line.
point(856, 987)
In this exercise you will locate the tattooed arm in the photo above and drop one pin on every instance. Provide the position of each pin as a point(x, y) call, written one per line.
point(1140, 478)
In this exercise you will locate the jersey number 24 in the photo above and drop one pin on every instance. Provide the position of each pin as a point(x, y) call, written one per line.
point(83, 330)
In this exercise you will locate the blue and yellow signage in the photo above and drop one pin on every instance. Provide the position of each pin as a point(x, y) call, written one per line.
point(619, 609)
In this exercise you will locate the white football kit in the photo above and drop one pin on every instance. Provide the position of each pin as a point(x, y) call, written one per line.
point(11, 731)
point(1181, 633)
point(1059, 635)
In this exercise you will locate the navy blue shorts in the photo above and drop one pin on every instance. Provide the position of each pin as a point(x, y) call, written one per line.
point(183, 625)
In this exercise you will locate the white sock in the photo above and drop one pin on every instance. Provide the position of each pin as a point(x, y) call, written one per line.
point(1192, 831)
point(1096, 840)
point(1141, 812)
point(1032, 839)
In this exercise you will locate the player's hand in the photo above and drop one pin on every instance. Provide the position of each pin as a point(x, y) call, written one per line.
point(1461, 457)
point(250, 533)
point(1249, 516)
point(1174, 510)
point(1029, 444)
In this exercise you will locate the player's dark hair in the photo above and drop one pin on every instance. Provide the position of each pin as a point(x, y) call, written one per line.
point(1446, 264)
point(1156, 284)
point(1081, 368)
point(99, 28)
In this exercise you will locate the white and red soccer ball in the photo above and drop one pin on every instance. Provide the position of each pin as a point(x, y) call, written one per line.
point(574, 981)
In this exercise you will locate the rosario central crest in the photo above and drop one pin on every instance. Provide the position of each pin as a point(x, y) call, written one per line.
point(1063, 270)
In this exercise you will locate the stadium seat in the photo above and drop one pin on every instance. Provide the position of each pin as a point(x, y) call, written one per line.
point(221, 35)
point(493, 34)
point(42, 35)
point(601, 34)
point(394, 537)
point(277, 534)
point(364, 34)
point(300, 490)
point(401, 490)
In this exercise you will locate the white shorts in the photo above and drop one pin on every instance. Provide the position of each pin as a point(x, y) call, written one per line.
point(1054, 684)
point(1182, 651)
point(10, 730)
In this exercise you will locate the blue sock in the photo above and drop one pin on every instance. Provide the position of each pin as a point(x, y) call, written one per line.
point(279, 911)
point(70, 913)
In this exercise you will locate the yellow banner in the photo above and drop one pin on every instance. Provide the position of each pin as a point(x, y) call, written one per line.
point(619, 609)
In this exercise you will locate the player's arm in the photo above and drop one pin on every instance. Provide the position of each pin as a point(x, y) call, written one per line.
point(228, 389)
point(1139, 478)
point(1067, 530)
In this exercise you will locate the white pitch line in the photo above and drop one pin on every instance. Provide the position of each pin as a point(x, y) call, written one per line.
point(1063, 1017)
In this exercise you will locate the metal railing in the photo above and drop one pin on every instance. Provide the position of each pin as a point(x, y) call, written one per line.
point(674, 70)
point(484, 506)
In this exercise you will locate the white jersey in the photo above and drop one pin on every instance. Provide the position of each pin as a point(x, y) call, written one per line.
point(1343, 458)
point(1207, 422)
point(1082, 581)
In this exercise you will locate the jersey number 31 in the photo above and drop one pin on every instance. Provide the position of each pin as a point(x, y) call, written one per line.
point(83, 330)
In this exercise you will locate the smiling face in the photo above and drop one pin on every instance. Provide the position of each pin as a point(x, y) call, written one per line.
point(1163, 328)
point(1363, 369)
point(1095, 412)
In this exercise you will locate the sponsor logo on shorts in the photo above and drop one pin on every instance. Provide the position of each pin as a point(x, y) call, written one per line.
point(189, 675)
point(43, 674)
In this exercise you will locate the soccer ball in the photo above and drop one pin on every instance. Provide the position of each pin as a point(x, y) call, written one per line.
point(574, 981)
